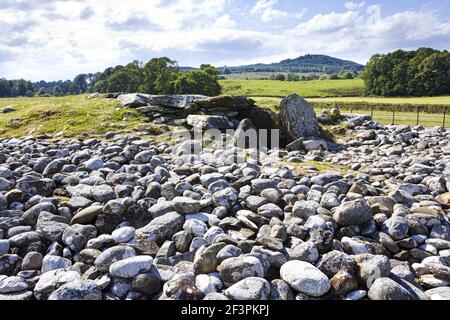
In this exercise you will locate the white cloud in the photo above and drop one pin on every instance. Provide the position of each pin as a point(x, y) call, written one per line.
point(225, 21)
point(262, 5)
point(59, 39)
point(265, 8)
point(65, 37)
point(329, 23)
point(354, 5)
point(358, 34)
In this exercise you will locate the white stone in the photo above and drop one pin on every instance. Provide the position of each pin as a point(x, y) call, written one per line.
point(51, 280)
point(249, 289)
point(196, 227)
point(431, 281)
point(356, 295)
point(13, 284)
point(131, 267)
point(429, 248)
point(204, 284)
point(50, 263)
point(305, 278)
point(315, 221)
point(445, 253)
point(355, 246)
point(123, 234)
point(185, 205)
point(94, 163)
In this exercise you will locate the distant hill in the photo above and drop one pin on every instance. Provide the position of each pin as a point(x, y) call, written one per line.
point(186, 69)
point(309, 63)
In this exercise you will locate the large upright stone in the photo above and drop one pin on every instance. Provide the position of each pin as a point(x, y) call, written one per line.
point(298, 118)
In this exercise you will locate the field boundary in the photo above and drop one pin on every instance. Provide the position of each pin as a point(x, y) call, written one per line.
point(305, 97)
point(411, 114)
point(396, 113)
point(368, 106)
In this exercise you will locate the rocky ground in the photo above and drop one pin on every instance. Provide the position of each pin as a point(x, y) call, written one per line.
point(121, 218)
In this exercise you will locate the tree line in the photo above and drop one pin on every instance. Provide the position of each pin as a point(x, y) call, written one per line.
point(423, 72)
point(296, 77)
point(157, 76)
point(14, 88)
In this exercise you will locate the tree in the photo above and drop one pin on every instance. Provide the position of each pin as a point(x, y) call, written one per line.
point(348, 75)
point(12, 89)
point(118, 82)
point(313, 76)
point(203, 81)
point(433, 74)
point(21, 87)
point(79, 84)
point(29, 87)
point(56, 91)
point(280, 77)
point(41, 92)
point(127, 79)
point(65, 86)
point(334, 77)
point(159, 74)
point(408, 73)
point(101, 86)
point(5, 89)
point(292, 77)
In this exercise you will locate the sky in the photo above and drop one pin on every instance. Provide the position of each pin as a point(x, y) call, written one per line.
point(58, 39)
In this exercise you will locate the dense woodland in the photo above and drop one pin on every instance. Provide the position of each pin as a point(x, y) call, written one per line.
point(15, 88)
point(157, 76)
point(424, 72)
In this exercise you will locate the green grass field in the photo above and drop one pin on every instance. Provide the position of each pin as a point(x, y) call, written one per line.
point(79, 116)
point(73, 115)
point(445, 100)
point(381, 116)
point(260, 75)
point(347, 95)
point(273, 88)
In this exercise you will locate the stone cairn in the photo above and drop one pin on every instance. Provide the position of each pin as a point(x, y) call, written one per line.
point(125, 218)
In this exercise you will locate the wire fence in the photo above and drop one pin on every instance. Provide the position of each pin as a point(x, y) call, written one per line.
point(427, 116)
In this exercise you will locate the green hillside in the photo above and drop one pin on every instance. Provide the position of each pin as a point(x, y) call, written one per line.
point(316, 63)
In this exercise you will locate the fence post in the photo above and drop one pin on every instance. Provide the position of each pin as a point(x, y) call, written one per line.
point(445, 113)
point(393, 115)
point(418, 115)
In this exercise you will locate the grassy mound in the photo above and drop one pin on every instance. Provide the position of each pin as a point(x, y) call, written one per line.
point(71, 115)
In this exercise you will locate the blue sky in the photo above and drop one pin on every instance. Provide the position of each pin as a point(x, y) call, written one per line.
point(57, 39)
